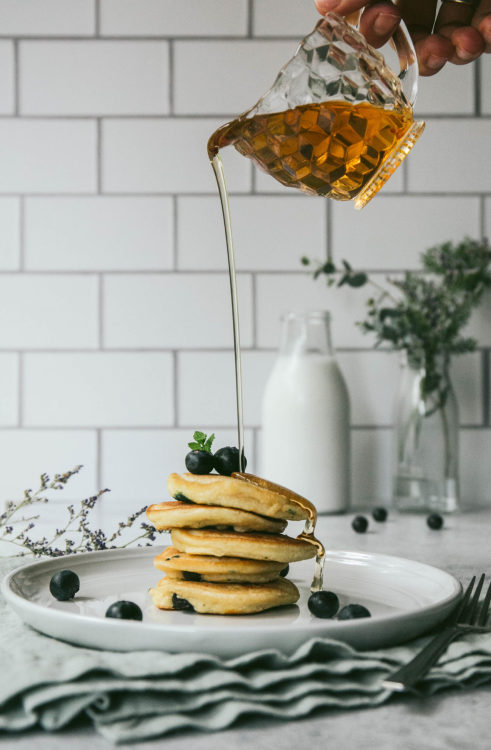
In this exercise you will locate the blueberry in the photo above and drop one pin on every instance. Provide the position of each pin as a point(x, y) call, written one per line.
point(189, 575)
point(64, 585)
point(182, 498)
point(199, 462)
point(124, 610)
point(435, 521)
point(179, 603)
point(379, 514)
point(285, 571)
point(353, 611)
point(323, 603)
point(359, 524)
point(226, 461)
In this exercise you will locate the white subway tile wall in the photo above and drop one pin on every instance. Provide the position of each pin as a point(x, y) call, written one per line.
point(99, 78)
point(7, 78)
point(47, 18)
point(10, 234)
point(115, 331)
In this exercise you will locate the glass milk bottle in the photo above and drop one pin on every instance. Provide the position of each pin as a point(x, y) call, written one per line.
point(306, 415)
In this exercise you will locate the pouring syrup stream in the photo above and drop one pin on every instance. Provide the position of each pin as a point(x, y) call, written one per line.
point(217, 165)
point(307, 534)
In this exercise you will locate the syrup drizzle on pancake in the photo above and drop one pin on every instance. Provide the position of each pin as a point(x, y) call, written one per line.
point(307, 534)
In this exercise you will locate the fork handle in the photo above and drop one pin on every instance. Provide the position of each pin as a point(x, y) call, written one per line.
point(408, 675)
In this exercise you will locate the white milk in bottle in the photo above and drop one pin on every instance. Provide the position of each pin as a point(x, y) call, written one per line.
point(306, 415)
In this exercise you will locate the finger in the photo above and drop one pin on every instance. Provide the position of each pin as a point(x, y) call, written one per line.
point(378, 23)
point(453, 22)
point(418, 14)
point(482, 22)
point(433, 51)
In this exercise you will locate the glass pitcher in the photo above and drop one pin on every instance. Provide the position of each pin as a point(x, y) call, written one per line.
point(337, 121)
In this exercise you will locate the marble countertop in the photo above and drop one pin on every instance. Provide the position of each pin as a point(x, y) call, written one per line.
point(453, 719)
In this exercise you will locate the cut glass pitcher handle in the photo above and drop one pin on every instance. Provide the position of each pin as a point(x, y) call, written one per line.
point(403, 46)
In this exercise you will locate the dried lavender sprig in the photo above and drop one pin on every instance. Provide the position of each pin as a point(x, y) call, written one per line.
point(77, 523)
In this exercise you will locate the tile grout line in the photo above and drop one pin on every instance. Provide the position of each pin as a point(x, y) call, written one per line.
point(99, 137)
point(187, 427)
point(20, 385)
point(226, 349)
point(176, 116)
point(485, 371)
point(170, 62)
point(175, 243)
point(250, 19)
point(100, 298)
point(477, 89)
point(236, 193)
point(175, 385)
point(21, 234)
point(97, 18)
point(98, 458)
point(16, 82)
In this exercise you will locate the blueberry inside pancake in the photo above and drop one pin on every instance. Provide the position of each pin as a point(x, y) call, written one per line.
point(181, 565)
point(254, 545)
point(174, 514)
point(223, 598)
point(268, 499)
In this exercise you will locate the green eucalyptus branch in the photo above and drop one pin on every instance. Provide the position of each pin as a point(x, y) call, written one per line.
point(424, 312)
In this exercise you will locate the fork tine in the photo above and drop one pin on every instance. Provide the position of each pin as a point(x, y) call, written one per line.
point(483, 617)
point(470, 616)
point(464, 601)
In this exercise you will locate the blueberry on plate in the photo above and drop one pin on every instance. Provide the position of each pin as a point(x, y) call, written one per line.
point(64, 585)
point(353, 612)
point(124, 610)
point(226, 461)
point(359, 524)
point(323, 603)
point(379, 514)
point(435, 521)
point(199, 462)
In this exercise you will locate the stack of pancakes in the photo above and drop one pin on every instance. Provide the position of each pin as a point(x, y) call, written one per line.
point(228, 551)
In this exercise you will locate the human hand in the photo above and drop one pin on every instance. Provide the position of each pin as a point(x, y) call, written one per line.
point(459, 34)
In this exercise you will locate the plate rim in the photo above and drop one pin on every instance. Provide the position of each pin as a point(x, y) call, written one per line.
point(14, 598)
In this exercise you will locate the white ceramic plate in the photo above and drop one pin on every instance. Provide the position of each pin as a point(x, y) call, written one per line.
point(406, 598)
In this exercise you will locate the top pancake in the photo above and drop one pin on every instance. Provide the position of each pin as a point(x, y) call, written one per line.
point(175, 514)
point(246, 494)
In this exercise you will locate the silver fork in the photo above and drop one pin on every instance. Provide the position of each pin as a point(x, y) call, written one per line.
point(467, 617)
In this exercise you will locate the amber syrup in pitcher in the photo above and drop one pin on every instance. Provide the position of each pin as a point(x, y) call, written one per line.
point(330, 148)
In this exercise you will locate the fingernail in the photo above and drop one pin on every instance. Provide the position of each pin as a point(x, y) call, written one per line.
point(463, 54)
point(385, 23)
point(435, 62)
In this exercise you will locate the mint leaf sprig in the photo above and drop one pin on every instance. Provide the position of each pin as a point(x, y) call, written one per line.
point(201, 442)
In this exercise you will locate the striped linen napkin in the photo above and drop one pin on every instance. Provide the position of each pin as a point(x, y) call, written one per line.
point(138, 695)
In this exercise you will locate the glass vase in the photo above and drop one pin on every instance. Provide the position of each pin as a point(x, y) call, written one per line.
point(426, 441)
